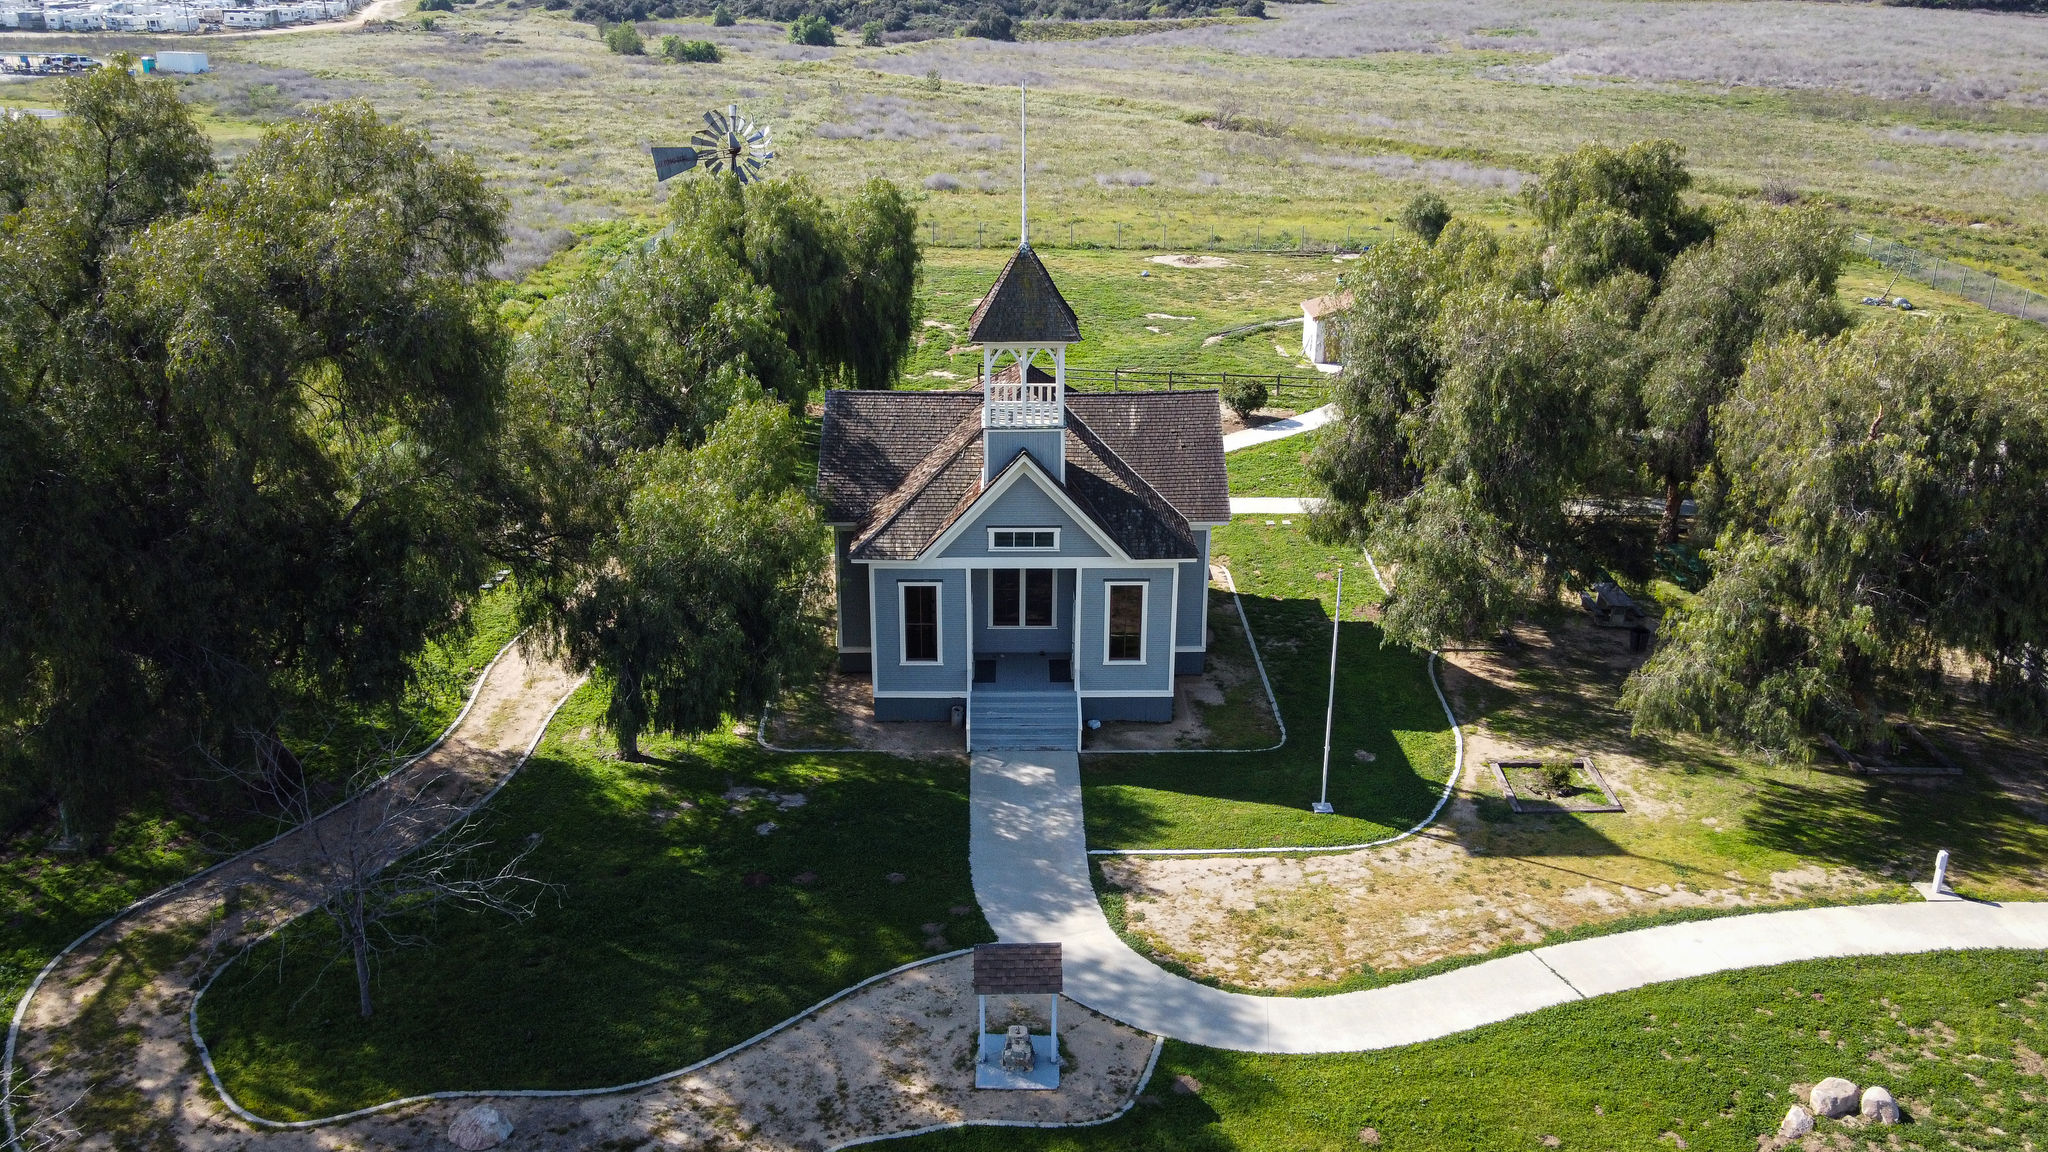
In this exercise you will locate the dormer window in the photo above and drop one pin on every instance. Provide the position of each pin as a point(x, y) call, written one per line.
point(1024, 539)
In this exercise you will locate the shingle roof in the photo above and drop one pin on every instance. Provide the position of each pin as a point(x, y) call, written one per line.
point(1173, 439)
point(1024, 307)
point(1322, 306)
point(871, 441)
point(1017, 970)
point(1142, 466)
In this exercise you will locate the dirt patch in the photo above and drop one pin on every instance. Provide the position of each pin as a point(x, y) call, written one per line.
point(1186, 261)
point(839, 712)
point(893, 1057)
point(1229, 681)
point(1483, 878)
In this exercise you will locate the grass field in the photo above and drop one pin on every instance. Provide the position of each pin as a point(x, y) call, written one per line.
point(47, 898)
point(1917, 124)
point(679, 929)
point(1277, 468)
point(1385, 706)
point(1705, 1064)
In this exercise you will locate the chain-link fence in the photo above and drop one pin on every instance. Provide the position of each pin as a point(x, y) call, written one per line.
point(1961, 279)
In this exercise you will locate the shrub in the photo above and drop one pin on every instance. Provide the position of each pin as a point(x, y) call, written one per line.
point(624, 39)
point(931, 80)
point(942, 182)
point(721, 17)
point(812, 29)
point(426, 23)
point(1253, 8)
point(1426, 216)
point(871, 34)
point(689, 51)
point(436, 6)
point(991, 25)
point(1245, 397)
point(1554, 777)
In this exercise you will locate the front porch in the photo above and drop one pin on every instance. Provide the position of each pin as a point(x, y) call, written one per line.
point(1023, 701)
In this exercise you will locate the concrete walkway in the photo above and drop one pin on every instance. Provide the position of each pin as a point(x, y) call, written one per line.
point(1031, 876)
point(1281, 429)
point(1273, 505)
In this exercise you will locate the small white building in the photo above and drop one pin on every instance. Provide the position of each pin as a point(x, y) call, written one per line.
point(1319, 343)
point(181, 62)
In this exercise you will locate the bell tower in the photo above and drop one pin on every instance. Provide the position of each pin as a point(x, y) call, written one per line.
point(1024, 327)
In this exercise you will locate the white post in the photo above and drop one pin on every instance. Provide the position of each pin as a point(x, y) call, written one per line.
point(1055, 1029)
point(1941, 871)
point(1322, 807)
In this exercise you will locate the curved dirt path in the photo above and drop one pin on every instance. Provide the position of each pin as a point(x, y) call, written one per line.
point(1030, 862)
point(103, 1037)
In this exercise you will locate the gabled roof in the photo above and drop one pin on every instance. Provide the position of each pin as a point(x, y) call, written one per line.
point(1322, 306)
point(1173, 439)
point(903, 467)
point(1024, 307)
point(1017, 970)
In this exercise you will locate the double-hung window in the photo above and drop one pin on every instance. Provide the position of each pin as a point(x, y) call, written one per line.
point(920, 623)
point(1126, 631)
point(1020, 597)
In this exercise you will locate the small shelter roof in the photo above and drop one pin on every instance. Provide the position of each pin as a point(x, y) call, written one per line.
point(1322, 306)
point(1017, 970)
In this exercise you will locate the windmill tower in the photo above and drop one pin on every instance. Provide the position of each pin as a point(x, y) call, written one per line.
point(1024, 327)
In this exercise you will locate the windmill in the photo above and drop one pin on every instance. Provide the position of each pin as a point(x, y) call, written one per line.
point(728, 142)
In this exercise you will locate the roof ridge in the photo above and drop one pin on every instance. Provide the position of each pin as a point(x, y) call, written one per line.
point(1109, 456)
point(888, 508)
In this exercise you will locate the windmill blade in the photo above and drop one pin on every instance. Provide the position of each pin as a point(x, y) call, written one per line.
point(716, 121)
point(673, 161)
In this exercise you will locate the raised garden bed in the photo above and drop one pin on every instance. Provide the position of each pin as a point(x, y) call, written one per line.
point(1913, 755)
point(1554, 786)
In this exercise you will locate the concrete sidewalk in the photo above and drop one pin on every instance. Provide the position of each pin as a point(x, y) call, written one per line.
point(1281, 429)
point(1273, 505)
point(1029, 857)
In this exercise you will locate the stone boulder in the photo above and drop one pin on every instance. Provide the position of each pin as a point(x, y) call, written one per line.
point(1833, 1098)
point(479, 1128)
point(1798, 1122)
point(1878, 1106)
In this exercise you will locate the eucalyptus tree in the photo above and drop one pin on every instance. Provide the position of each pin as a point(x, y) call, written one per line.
point(248, 420)
point(1764, 275)
point(1883, 519)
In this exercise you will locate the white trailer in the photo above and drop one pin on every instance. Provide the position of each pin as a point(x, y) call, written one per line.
point(181, 62)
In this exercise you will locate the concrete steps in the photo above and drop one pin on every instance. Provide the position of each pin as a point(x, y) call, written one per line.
point(1024, 721)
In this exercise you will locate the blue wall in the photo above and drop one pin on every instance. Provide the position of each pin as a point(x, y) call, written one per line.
point(1025, 505)
point(1091, 674)
point(950, 674)
point(1048, 446)
point(853, 595)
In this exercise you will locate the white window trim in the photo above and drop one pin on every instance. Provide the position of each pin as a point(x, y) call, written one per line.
point(1144, 622)
point(1020, 626)
point(938, 588)
point(1007, 549)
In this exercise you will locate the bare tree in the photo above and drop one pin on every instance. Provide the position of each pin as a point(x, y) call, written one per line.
point(20, 1096)
point(397, 848)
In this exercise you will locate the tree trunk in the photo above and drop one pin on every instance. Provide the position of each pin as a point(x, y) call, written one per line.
point(629, 746)
point(359, 945)
point(1667, 533)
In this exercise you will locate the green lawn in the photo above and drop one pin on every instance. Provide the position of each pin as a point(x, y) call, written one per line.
point(48, 898)
point(659, 952)
point(1276, 468)
point(1385, 705)
point(1955, 1036)
point(1121, 297)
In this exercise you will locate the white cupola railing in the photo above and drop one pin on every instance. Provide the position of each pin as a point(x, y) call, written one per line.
point(1023, 402)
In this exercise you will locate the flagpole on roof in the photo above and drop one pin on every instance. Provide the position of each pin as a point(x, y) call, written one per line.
point(1023, 175)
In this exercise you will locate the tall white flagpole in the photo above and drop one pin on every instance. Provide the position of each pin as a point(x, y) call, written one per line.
point(1023, 176)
